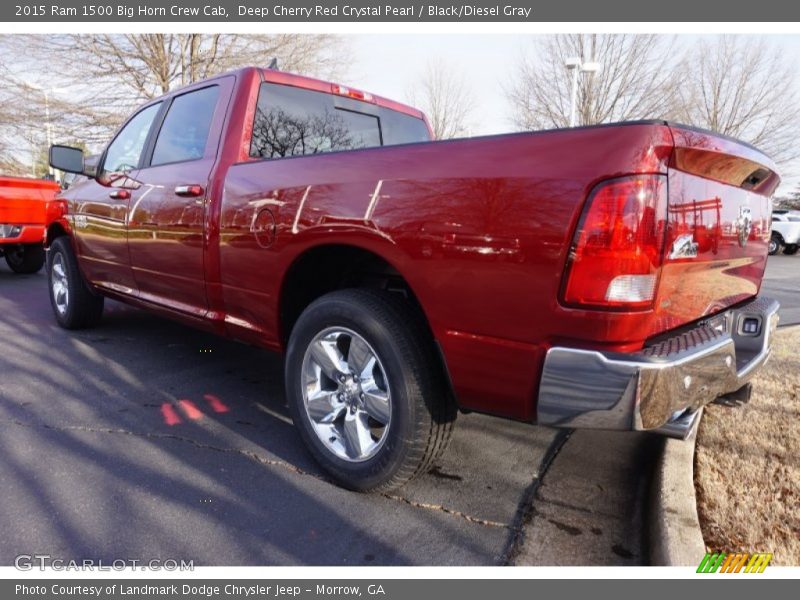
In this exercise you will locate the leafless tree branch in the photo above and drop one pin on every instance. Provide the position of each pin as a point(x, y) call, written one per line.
point(742, 87)
point(635, 82)
point(445, 97)
point(100, 78)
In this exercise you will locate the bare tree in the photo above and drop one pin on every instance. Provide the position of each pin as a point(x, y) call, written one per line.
point(789, 200)
point(445, 97)
point(636, 80)
point(148, 65)
point(17, 152)
point(95, 81)
point(107, 75)
point(740, 86)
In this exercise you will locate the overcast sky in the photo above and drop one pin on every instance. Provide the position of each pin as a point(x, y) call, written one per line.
point(389, 64)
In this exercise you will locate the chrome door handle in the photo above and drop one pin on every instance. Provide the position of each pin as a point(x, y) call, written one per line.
point(120, 195)
point(189, 191)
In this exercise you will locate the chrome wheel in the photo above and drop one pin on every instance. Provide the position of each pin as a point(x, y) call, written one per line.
point(59, 283)
point(773, 246)
point(346, 394)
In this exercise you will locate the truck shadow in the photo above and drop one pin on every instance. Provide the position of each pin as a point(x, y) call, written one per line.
point(174, 437)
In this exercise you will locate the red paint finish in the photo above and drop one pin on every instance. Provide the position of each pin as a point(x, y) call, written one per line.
point(25, 203)
point(481, 230)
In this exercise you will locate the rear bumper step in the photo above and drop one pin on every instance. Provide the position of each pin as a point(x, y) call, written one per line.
point(662, 387)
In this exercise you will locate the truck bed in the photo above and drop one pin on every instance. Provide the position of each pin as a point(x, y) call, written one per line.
point(482, 230)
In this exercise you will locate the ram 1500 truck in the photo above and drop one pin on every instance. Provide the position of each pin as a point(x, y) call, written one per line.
point(23, 216)
point(602, 277)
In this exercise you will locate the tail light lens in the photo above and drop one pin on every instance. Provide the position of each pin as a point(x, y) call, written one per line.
point(618, 248)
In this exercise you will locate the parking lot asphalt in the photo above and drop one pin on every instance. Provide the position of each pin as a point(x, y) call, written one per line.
point(143, 439)
point(782, 282)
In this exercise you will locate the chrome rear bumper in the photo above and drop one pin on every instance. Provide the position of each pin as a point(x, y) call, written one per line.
point(661, 387)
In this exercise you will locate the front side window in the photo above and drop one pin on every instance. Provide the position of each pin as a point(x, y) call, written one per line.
point(125, 151)
point(184, 134)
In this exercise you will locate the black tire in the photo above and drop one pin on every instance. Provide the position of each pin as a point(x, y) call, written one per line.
point(80, 307)
point(790, 249)
point(422, 409)
point(25, 258)
point(775, 244)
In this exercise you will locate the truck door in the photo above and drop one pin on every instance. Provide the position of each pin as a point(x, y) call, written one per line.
point(99, 212)
point(166, 221)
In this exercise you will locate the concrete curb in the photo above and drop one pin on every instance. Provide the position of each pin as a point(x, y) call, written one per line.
point(673, 526)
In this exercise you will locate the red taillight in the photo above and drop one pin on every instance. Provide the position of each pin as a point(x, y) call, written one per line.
point(618, 247)
point(350, 93)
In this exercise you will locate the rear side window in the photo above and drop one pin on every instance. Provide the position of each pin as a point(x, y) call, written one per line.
point(292, 121)
point(400, 128)
point(184, 133)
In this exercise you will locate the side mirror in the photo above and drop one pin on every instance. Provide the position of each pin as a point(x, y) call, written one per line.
point(67, 159)
point(90, 165)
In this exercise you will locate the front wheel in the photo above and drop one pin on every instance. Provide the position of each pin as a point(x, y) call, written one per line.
point(74, 304)
point(366, 390)
point(790, 249)
point(25, 258)
point(775, 244)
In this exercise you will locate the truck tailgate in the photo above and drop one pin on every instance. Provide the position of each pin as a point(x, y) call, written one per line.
point(24, 201)
point(718, 226)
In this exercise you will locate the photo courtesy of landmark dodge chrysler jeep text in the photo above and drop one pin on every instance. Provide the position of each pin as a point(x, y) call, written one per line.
point(602, 277)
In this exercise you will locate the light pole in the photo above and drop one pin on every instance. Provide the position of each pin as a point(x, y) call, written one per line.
point(46, 91)
point(577, 66)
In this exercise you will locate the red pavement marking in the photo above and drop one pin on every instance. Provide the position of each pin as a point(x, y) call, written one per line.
point(217, 405)
point(169, 414)
point(190, 410)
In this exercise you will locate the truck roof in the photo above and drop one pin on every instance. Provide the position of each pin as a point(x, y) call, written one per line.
point(328, 87)
point(318, 85)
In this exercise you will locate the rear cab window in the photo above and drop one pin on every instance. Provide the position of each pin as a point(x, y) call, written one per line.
point(293, 121)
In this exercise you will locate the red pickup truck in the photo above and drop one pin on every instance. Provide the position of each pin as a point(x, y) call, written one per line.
point(24, 206)
point(599, 276)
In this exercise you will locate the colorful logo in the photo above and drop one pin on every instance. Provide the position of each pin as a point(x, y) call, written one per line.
point(720, 562)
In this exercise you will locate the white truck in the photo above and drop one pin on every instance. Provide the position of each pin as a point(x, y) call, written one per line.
point(785, 232)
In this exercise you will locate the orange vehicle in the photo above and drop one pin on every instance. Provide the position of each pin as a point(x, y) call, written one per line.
point(23, 217)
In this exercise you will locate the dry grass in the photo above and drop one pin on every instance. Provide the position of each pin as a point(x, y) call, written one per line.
point(747, 466)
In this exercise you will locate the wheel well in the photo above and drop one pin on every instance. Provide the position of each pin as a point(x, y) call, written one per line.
point(54, 231)
point(329, 268)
